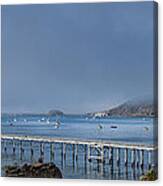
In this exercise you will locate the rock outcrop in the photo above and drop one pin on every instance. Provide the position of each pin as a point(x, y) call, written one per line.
point(37, 170)
point(55, 112)
point(151, 175)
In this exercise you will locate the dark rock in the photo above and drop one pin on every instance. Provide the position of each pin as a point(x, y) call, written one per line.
point(151, 175)
point(37, 170)
point(37, 165)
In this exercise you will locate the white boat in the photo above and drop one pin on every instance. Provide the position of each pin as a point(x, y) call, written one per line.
point(57, 124)
point(43, 119)
point(99, 126)
point(47, 121)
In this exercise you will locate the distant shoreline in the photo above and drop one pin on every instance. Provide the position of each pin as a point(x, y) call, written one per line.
point(69, 115)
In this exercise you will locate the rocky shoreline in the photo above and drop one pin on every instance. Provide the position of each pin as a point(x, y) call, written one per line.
point(36, 170)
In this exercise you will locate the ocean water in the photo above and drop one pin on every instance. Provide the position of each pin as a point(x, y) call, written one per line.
point(129, 130)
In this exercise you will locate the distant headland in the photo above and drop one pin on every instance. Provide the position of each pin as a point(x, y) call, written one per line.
point(132, 108)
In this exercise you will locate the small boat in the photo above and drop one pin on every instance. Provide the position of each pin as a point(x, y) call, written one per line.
point(146, 128)
point(43, 119)
point(57, 124)
point(113, 127)
point(99, 126)
point(11, 124)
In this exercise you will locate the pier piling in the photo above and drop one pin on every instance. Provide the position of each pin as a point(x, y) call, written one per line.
point(132, 158)
point(42, 150)
point(118, 156)
point(31, 149)
point(126, 156)
point(51, 151)
point(73, 155)
point(142, 159)
point(76, 152)
point(21, 147)
point(14, 148)
point(94, 151)
point(110, 155)
point(149, 159)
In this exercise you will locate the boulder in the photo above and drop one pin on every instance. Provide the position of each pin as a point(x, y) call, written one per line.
point(37, 170)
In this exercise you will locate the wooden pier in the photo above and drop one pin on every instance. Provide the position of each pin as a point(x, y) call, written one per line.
point(101, 151)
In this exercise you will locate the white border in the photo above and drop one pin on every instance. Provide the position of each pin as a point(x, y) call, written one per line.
point(42, 182)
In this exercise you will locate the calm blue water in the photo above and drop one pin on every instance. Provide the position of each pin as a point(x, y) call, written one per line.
point(129, 130)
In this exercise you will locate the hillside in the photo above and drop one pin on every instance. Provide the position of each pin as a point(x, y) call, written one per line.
point(135, 107)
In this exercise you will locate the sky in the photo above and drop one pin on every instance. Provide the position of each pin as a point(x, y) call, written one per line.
point(75, 57)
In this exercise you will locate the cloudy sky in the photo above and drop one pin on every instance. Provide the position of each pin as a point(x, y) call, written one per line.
point(75, 57)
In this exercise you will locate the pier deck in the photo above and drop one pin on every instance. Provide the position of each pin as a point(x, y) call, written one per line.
point(108, 154)
point(95, 143)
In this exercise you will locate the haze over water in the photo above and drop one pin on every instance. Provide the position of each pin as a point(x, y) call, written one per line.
point(75, 57)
